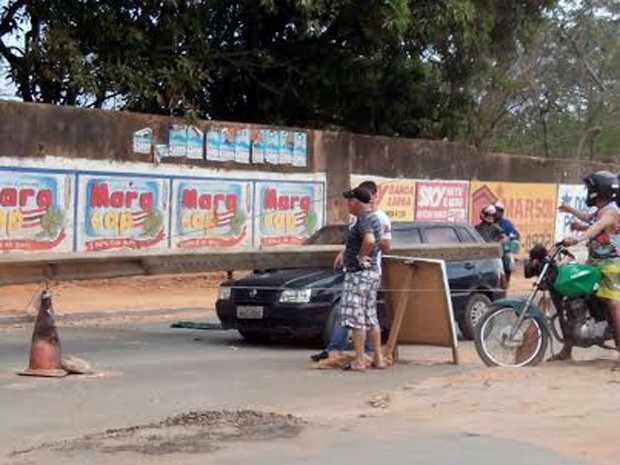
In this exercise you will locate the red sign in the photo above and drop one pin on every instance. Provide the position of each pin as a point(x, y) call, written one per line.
point(442, 201)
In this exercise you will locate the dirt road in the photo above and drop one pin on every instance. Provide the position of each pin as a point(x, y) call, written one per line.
point(120, 294)
point(164, 394)
point(154, 372)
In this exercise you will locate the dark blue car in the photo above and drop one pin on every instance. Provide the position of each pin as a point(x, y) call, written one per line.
point(302, 302)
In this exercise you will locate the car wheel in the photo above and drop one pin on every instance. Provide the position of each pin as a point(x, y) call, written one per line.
point(258, 337)
point(477, 306)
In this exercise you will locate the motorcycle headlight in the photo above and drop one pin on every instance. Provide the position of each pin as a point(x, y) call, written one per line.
point(224, 293)
point(531, 268)
point(295, 296)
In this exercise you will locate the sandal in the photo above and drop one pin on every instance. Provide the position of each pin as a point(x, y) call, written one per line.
point(352, 367)
point(559, 357)
point(379, 367)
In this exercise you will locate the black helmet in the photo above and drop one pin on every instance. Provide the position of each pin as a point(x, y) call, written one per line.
point(601, 185)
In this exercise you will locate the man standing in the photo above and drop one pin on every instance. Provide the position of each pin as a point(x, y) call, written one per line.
point(384, 220)
point(362, 278)
point(339, 335)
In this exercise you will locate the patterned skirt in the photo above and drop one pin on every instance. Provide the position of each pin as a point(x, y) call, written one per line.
point(610, 285)
point(359, 299)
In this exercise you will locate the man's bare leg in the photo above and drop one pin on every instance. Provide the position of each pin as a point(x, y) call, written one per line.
point(566, 353)
point(375, 341)
point(359, 339)
point(613, 307)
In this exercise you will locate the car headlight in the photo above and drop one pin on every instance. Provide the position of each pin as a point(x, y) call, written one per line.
point(295, 296)
point(224, 293)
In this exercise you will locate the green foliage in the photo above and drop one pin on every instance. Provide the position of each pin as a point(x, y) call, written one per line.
point(414, 68)
point(567, 102)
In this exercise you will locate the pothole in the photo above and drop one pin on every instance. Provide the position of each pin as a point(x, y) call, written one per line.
point(193, 432)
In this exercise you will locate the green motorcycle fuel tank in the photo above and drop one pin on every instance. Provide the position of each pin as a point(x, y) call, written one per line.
point(577, 280)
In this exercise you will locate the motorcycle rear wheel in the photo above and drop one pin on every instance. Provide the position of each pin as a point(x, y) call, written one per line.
point(494, 346)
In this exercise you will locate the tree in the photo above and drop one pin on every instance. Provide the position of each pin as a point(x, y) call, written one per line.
point(566, 103)
point(412, 68)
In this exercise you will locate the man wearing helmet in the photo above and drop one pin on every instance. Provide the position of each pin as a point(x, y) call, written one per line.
point(603, 239)
point(504, 223)
point(488, 228)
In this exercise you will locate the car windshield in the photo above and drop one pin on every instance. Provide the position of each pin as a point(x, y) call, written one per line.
point(329, 235)
point(402, 234)
point(405, 233)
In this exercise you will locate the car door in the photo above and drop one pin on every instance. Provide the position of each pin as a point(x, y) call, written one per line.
point(402, 234)
point(461, 274)
point(489, 272)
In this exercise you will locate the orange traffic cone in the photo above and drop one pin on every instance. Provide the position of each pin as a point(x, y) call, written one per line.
point(45, 347)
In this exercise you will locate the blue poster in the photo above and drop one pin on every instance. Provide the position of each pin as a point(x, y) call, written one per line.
point(272, 154)
point(300, 148)
point(242, 146)
point(259, 147)
point(286, 148)
point(195, 143)
point(214, 137)
point(177, 141)
point(227, 145)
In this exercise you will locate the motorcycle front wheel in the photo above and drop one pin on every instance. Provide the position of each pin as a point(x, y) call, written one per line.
point(495, 346)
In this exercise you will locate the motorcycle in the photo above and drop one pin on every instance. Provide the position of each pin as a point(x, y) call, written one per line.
point(516, 331)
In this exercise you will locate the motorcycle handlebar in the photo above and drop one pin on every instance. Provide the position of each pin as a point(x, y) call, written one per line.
point(563, 250)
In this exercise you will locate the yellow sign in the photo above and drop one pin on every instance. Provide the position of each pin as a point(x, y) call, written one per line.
point(396, 197)
point(530, 207)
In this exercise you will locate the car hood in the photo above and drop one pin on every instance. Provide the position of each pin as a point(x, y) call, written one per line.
point(293, 278)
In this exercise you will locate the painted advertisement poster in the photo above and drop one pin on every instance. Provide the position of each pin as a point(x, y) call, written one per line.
point(442, 201)
point(396, 197)
point(122, 212)
point(36, 211)
point(573, 195)
point(287, 213)
point(211, 213)
point(531, 207)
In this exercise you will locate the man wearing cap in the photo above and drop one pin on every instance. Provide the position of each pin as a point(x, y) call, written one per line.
point(362, 278)
point(339, 336)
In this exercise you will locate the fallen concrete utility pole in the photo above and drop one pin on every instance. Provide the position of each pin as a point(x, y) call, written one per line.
point(20, 269)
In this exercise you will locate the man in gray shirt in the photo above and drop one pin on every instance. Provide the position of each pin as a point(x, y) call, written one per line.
point(362, 278)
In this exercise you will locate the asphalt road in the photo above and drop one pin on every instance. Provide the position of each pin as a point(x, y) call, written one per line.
point(152, 371)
